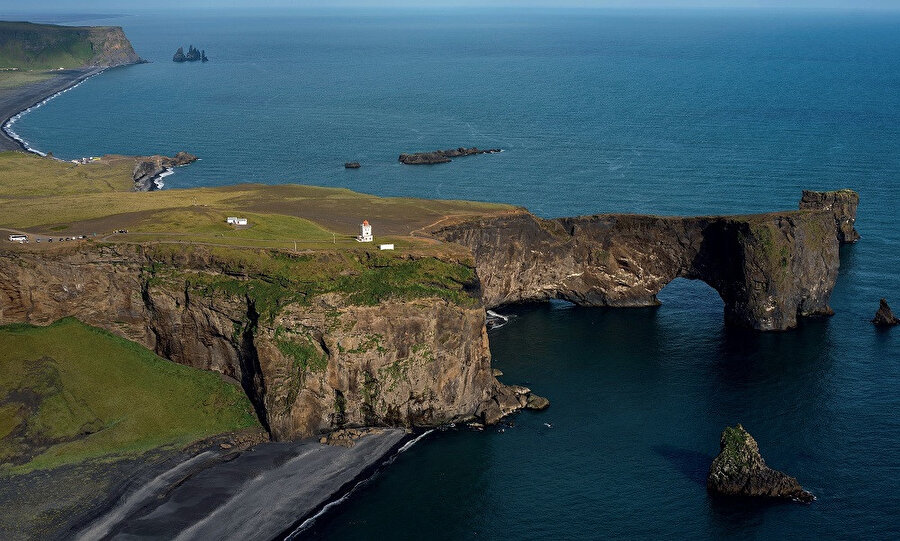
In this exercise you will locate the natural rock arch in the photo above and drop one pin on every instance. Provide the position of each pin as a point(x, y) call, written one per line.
point(768, 268)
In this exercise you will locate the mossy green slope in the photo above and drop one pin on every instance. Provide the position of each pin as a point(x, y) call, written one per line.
point(43, 46)
point(71, 392)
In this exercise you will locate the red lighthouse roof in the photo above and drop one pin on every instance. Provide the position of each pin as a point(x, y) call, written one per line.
point(365, 222)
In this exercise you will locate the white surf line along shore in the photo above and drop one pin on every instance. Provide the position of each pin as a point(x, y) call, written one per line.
point(7, 126)
point(311, 520)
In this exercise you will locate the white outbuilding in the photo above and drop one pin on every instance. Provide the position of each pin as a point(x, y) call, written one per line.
point(385, 246)
point(234, 220)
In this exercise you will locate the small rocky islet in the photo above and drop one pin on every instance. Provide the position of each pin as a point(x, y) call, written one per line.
point(884, 317)
point(740, 470)
point(442, 156)
point(193, 55)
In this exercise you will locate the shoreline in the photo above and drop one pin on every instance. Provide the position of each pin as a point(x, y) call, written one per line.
point(17, 101)
point(217, 493)
point(366, 475)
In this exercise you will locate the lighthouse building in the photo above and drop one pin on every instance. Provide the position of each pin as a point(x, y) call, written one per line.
point(365, 232)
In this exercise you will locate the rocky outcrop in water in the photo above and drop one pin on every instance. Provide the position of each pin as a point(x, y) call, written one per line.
point(884, 317)
point(842, 204)
point(193, 55)
point(352, 165)
point(769, 269)
point(442, 156)
point(148, 169)
point(740, 470)
point(311, 367)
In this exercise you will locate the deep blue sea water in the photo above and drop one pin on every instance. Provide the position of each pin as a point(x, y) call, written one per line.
point(598, 111)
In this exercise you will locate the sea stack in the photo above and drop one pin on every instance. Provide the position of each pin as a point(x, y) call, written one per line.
point(884, 317)
point(739, 470)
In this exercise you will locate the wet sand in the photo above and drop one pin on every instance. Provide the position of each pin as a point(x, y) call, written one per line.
point(15, 100)
point(256, 494)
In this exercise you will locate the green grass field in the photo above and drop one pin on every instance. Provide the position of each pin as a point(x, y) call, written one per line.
point(43, 195)
point(43, 46)
point(71, 392)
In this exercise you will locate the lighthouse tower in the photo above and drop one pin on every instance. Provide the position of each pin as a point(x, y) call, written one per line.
point(365, 232)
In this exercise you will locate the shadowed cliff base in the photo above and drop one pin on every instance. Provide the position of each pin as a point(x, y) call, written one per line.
point(769, 269)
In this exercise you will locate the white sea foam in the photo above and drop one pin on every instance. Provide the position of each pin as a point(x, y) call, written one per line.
point(311, 520)
point(495, 320)
point(158, 181)
point(7, 126)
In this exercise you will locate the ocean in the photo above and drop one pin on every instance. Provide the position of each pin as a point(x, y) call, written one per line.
point(664, 112)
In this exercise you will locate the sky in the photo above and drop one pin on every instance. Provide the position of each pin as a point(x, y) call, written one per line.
point(125, 6)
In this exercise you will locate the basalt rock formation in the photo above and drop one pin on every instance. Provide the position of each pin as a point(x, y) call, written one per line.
point(147, 170)
point(842, 204)
point(308, 367)
point(769, 269)
point(884, 317)
point(442, 156)
point(193, 55)
point(739, 470)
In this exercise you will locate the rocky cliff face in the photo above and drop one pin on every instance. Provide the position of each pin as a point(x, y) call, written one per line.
point(842, 204)
point(769, 268)
point(111, 47)
point(308, 367)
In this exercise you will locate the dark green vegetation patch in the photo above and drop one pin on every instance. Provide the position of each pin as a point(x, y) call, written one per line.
point(273, 279)
point(71, 392)
point(43, 46)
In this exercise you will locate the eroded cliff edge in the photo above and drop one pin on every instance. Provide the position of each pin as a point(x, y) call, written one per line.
point(769, 269)
point(313, 340)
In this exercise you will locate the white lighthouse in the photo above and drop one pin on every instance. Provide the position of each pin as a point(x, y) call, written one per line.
point(365, 232)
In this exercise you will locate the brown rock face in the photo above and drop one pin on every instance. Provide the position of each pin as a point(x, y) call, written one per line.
point(148, 169)
point(884, 317)
point(311, 368)
point(842, 204)
point(739, 470)
point(769, 269)
point(111, 47)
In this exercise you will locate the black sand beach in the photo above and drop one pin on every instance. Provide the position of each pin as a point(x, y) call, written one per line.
point(256, 494)
point(15, 100)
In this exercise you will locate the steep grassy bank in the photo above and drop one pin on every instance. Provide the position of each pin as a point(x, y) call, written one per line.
point(71, 392)
point(32, 46)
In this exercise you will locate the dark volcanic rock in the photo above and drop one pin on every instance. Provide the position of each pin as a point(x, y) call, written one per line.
point(884, 317)
point(739, 470)
point(441, 156)
point(842, 204)
point(193, 55)
point(769, 269)
point(352, 165)
point(148, 169)
point(536, 402)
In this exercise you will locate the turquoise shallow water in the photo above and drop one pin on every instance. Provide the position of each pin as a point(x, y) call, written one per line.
point(675, 113)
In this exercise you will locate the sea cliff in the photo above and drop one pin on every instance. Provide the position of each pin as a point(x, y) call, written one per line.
point(312, 353)
point(769, 269)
